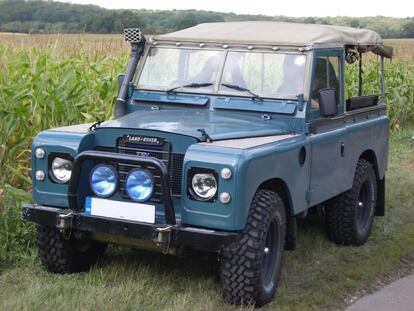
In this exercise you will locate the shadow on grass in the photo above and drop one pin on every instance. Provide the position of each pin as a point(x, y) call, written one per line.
point(195, 264)
point(313, 223)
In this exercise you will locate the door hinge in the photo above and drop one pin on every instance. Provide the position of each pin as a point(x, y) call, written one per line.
point(308, 195)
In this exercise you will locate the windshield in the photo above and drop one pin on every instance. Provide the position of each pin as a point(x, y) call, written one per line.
point(265, 74)
point(167, 68)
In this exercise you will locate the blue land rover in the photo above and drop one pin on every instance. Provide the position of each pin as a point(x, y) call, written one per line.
point(223, 135)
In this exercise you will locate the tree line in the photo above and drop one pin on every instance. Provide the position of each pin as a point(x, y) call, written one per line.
point(38, 16)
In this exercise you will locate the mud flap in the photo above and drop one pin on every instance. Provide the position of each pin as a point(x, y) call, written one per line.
point(380, 208)
point(291, 233)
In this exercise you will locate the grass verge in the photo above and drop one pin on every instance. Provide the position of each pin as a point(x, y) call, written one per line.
point(319, 275)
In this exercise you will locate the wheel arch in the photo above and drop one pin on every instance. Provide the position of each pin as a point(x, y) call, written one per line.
point(370, 156)
point(279, 186)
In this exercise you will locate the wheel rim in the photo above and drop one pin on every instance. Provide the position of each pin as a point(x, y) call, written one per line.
point(270, 255)
point(82, 245)
point(364, 205)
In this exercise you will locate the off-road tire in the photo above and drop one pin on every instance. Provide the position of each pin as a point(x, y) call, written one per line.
point(60, 255)
point(343, 212)
point(242, 262)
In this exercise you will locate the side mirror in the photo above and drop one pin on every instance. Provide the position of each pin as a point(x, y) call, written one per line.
point(121, 78)
point(327, 102)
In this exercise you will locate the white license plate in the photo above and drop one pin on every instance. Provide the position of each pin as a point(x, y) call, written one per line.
point(120, 210)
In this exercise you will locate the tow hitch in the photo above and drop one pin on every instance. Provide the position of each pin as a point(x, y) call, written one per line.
point(64, 224)
point(163, 238)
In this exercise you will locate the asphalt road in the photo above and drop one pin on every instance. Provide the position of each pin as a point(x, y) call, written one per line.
point(397, 296)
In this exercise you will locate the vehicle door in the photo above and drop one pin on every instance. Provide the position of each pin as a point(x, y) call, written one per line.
point(327, 134)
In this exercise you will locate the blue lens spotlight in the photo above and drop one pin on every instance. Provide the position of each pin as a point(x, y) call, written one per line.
point(103, 180)
point(139, 185)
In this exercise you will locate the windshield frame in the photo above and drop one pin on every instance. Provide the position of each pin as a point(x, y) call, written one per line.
point(215, 91)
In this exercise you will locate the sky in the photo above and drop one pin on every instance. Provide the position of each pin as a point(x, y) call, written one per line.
point(395, 8)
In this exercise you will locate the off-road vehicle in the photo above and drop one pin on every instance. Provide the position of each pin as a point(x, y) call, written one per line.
point(223, 135)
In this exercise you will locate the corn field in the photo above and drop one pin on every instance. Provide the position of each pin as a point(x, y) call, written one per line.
point(49, 81)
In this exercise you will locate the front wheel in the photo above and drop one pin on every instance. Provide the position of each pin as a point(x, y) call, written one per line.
point(250, 267)
point(60, 255)
point(350, 215)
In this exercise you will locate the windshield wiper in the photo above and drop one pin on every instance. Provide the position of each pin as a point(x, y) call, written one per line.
point(242, 89)
point(190, 85)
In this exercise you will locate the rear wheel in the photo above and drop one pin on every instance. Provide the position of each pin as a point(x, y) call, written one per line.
point(250, 267)
point(350, 215)
point(61, 255)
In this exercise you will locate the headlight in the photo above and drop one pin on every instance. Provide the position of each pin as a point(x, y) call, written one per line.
point(61, 169)
point(139, 185)
point(103, 180)
point(204, 186)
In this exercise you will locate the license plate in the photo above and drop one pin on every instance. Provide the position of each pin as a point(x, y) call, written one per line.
point(120, 210)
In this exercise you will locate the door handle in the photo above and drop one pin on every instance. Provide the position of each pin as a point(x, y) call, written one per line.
point(342, 149)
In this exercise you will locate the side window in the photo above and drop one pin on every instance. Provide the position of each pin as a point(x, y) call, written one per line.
point(326, 75)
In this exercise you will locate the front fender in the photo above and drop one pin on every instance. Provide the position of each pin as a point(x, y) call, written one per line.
point(251, 167)
point(212, 214)
point(276, 161)
point(60, 141)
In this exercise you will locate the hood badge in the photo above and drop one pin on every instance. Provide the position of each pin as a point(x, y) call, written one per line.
point(144, 139)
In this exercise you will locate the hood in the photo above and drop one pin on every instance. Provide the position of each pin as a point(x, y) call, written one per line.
point(217, 124)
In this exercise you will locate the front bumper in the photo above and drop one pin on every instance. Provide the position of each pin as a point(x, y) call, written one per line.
point(165, 236)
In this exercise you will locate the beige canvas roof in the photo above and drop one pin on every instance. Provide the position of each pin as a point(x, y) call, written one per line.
point(280, 34)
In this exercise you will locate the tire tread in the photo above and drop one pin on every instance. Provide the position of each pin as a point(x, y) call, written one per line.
point(60, 255)
point(340, 211)
point(241, 261)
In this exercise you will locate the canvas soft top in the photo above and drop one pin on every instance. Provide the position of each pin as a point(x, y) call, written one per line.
point(268, 33)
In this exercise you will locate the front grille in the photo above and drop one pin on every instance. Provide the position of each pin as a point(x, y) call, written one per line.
point(176, 172)
point(162, 151)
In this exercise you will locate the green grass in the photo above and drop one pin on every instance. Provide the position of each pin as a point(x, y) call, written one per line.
point(318, 275)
